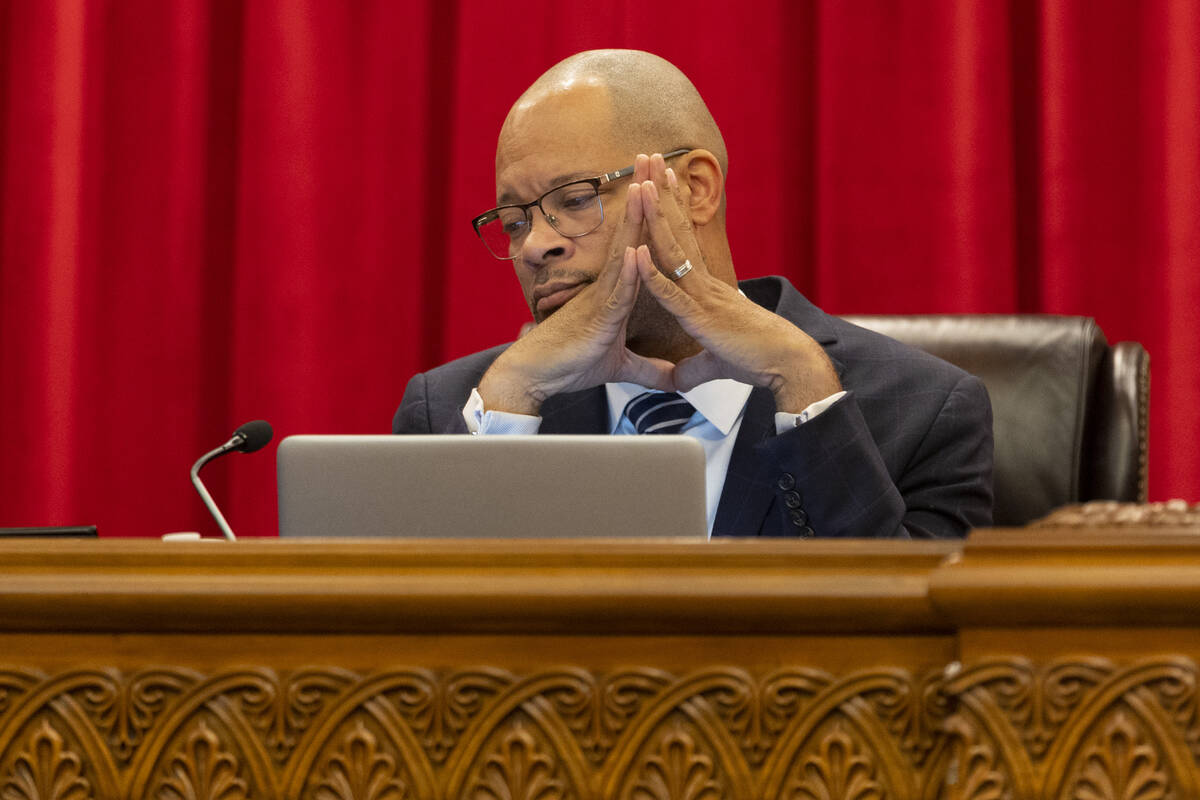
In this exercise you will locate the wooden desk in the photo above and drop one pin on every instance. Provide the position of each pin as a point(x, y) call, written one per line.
point(1025, 664)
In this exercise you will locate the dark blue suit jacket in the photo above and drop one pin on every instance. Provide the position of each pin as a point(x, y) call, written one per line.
point(907, 452)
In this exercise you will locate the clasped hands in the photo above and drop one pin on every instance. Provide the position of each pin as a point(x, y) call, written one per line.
point(582, 344)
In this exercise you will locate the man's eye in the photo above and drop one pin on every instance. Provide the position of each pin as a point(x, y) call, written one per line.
point(577, 201)
point(515, 227)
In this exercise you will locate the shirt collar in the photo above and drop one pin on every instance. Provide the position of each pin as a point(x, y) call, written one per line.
point(720, 402)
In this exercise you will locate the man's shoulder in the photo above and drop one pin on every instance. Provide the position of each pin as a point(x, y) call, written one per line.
point(859, 353)
point(871, 349)
point(434, 399)
point(468, 369)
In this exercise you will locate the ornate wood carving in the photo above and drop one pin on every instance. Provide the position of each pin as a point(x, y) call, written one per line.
point(440, 710)
point(1037, 700)
point(758, 712)
point(912, 707)
point(12, 684)
point(1084, 728)
point(677, 769)
point(973, 770)
point(203, 769)
point(518, 768)
point(1119, 763)
point(1109, 513)
point(46, 770)
point(124, 709)
point(597, 708)
point(360, 771)
point(841, 768)
point(1176, 687)
point(281, 710)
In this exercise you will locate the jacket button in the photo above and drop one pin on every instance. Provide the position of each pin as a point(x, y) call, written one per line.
point(786, 482)
point(807, 533)
point(791, 500)
point(799, 518)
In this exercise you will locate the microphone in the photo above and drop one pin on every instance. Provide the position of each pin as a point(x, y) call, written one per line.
point(246, 439)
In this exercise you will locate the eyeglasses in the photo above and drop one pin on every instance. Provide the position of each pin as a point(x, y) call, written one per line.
point(573, 209)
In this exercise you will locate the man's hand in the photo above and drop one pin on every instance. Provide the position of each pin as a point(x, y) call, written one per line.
point(741, 340)
point(582, 344)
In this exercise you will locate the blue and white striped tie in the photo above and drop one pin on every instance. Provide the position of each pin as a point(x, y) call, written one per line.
point(659, 412)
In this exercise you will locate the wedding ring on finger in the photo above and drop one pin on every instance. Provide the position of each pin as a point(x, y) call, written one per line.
point(681, 270)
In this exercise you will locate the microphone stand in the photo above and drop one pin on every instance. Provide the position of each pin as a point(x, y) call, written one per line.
point(204, 495)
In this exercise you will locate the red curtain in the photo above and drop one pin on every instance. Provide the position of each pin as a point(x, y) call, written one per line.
point(212, 211)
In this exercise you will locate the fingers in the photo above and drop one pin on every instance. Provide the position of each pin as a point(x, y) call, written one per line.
point(647, 207)
point(658, 169)
point(675, 300)
point(625, 236)
point(695, 370)
point(669, 251)
point(629, 227)
point(653, 373)
point(619, 300)
point(669, 229)
point(642, 168)
point(667, 183)
point(634, 204)
point(624, 291)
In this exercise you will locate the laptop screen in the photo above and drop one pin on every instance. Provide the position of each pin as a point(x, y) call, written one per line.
point(491, 486)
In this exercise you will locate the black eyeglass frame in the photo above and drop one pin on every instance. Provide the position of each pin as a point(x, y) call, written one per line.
point(608, 177)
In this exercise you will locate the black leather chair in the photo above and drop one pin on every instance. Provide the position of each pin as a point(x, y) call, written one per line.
point(1070, 412)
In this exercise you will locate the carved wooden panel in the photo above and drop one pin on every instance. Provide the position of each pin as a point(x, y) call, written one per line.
point(1080, 728)
point(1074, 729)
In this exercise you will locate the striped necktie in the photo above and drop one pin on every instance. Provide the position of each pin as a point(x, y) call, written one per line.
point(659, 412)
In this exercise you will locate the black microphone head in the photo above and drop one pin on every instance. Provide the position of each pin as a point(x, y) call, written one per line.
point(255, 435)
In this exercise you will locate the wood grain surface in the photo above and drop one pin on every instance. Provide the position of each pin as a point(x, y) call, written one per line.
point(1036, 663)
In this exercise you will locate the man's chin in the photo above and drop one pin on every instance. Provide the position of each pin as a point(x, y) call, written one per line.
point(543, 311)
point(541, 316)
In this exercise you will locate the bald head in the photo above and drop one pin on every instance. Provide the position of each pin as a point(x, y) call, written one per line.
point(648, 104)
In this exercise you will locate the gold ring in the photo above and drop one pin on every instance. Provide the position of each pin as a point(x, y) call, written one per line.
point(681, 270)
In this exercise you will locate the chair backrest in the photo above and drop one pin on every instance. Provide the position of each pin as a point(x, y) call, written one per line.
point(1070, 412)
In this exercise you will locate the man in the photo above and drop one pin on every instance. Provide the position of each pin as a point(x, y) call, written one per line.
point(811, 426)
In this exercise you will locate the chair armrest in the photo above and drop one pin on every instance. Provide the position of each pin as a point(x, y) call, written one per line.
point(1118, 427)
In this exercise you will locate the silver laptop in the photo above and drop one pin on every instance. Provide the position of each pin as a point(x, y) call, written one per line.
point(491, 486)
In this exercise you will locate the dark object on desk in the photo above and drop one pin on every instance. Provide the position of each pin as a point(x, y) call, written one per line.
point(58, 531)
point(1071, 412)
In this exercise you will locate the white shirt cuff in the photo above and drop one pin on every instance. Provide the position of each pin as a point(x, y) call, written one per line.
point(785, 421)
point(487, 423)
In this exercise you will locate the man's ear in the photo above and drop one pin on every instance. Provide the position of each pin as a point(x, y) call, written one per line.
point(702, 173)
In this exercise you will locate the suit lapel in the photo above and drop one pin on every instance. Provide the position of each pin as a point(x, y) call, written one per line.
point(747, 493)
point(576, 412)
point(749, 485)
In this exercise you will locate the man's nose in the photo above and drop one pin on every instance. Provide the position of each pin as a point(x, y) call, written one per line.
point(543, 243)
